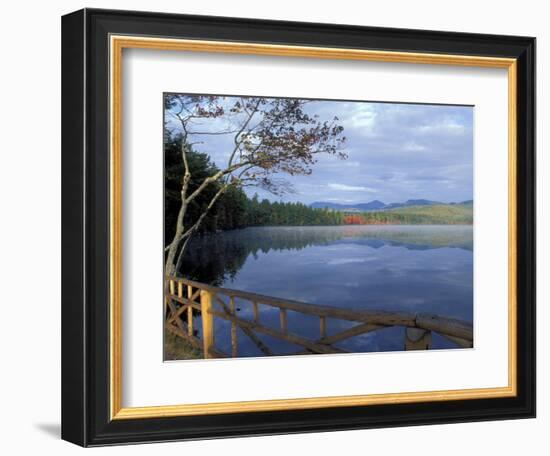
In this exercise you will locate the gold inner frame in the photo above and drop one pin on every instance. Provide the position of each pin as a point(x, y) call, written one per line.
point(117, 44)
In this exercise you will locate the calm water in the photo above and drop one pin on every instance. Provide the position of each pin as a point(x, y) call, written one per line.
point(408, 268)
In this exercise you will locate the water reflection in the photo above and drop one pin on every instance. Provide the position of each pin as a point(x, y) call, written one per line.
point(410, 268)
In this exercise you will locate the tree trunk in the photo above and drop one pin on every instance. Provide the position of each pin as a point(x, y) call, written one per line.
point(170, 266)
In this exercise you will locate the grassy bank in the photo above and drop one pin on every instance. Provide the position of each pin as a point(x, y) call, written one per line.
point(176, 348)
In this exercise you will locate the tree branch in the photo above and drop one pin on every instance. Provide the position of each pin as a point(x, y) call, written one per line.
point(236, 139)
point(214, 178)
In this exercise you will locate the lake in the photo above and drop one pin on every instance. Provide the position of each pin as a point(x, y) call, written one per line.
point(392, 268)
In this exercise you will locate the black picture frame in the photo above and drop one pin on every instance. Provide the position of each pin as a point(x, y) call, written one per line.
point(85, 225)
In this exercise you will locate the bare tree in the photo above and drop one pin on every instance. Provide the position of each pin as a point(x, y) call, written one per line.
point(269, 136)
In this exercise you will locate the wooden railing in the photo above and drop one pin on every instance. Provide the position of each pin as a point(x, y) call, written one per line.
point(183, 297)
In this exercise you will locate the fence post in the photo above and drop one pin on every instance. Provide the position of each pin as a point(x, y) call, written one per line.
point(233, 328)
point(417, 339)
point(189, 312)
point(322, 327)
point(166, 292)
point(282, 320)
point(207, 323)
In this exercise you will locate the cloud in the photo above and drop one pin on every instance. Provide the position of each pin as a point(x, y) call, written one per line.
point(396, 151)
point(448, 126)
point(361, 115)
point(339, 200)
point(414, 147)
point(350, 188)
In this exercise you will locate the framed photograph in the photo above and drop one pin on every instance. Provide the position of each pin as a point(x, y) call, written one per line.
point(278, 227)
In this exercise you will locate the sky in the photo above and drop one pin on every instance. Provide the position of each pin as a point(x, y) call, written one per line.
point(395, 152)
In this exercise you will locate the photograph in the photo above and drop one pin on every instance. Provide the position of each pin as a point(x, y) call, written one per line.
point(297, 226)
point(240, 192)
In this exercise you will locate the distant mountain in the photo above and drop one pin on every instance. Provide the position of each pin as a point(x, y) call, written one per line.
point(377, 205)
point(372, 206)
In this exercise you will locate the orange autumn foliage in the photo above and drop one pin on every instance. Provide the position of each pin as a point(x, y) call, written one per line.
point(353, 220)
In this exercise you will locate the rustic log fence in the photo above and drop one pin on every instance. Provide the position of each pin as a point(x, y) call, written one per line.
point(183, 296)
